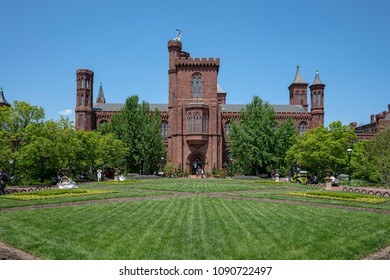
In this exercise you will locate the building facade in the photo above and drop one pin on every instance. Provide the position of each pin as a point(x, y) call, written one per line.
point(196, 120)
point(377, 123)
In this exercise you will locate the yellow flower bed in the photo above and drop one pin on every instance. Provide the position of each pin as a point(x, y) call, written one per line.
point(341, 196)
point(55, 193)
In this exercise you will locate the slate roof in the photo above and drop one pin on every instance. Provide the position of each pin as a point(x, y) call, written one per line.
point(101, 95)
point(2, 98)
point(219, 89)
point(113, 107)
point(317, 80)
point(298, 78)
point(277, 108)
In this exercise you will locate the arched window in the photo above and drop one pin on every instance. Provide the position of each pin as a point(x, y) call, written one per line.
point(196, 86)
point(204, 123)
point(81, 121)
point(227, 127)
point(314, 98)
point(82, 83)
point(297, 97)
point(164, 130)
point(319, 99)
point(189, 123)
point(82, 100)
point(86, 100)
point(302, 128)
point(197, 123)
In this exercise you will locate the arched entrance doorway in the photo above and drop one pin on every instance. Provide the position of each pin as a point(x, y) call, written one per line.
point(196, 163)
point(196, 166)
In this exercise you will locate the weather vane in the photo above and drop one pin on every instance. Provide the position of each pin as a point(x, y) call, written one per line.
point(178, 36)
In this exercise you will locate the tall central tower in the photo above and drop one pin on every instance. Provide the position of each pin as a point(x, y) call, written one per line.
point(194, 129)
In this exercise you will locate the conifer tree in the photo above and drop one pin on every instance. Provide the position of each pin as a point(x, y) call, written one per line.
point(139, 128)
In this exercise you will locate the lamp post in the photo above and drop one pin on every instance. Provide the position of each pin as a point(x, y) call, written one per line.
point(349, 152)
point(231, 166)
point(162, 166)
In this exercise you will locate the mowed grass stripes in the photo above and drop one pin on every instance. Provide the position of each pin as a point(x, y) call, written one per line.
point(195, 228)
point(209, 185)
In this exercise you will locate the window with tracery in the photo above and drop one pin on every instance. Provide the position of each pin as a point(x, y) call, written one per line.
point(197, 123)
point(197, 86)
point(81, 121)
point(302, 128)
point(164, 130)
point(227, 127)
point(204, 123)
point(314, 98)
point(189, 123)
point(297, 97)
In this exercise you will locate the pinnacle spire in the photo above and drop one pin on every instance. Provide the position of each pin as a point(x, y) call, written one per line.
point(298, 79)
point(3, 101)
point(317, 80)
point(101, 98)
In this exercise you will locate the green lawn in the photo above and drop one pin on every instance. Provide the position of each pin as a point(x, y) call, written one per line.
point(195, 226)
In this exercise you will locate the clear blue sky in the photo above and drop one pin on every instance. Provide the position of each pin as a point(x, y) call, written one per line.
point(42, 43)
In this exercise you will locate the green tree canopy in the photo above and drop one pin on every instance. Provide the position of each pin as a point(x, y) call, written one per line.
point(323, 148)
point(257, 142)
point(139, 128)
point(373, 162)
point(13, 122)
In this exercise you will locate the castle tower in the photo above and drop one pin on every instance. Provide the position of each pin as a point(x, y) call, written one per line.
point(84, 100)
point(194, 132)
point(3, 101)
point(101, 98)
point(298, 91)
point(317, 101)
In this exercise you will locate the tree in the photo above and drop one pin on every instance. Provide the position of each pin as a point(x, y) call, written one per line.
point(323, 149)
point(257, 141)
point(139, 128)
point(285, 138)
point(376, 161)
point(13, 122)
point(54, 145)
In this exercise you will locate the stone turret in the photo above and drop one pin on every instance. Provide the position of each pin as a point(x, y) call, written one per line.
point(298, 91)
point(85, 118)
point(317, 101)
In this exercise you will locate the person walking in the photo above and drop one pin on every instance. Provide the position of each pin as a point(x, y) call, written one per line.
point(99, 175)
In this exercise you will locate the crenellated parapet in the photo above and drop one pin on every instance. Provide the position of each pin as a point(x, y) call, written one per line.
point(189, 61)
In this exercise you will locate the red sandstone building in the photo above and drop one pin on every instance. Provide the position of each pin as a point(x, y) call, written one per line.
point(377, 122)
point(196, 120)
